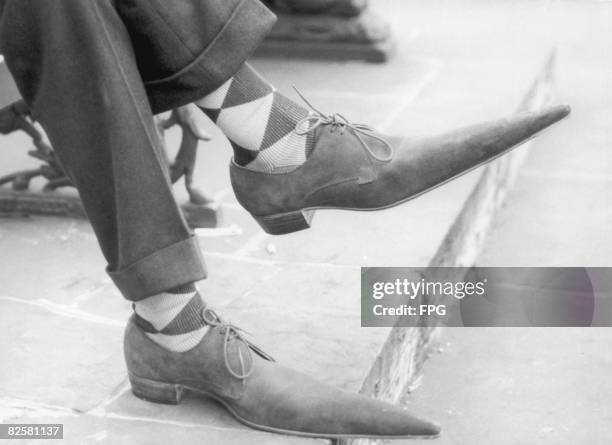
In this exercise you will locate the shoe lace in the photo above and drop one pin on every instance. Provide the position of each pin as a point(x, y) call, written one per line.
point(230, 332)
point(338, 121)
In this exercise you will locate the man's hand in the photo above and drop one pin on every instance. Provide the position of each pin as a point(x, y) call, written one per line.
point(190, 118)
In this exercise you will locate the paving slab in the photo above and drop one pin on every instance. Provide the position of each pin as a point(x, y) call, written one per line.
point(51, 261)
point(564, 218)
point(519, 386)
point(57, 360)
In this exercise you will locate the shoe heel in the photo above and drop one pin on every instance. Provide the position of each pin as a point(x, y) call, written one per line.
point(157, 392)
point(286, 222)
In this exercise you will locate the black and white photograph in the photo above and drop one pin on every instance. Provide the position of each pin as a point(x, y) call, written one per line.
point(306, 222)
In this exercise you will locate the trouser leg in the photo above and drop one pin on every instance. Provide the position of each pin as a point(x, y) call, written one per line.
point(74, 64)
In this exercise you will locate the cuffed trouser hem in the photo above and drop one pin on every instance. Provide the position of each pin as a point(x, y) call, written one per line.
point(173, 266)
point(250, 22)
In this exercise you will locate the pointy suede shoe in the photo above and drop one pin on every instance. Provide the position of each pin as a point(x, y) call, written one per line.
point(353, 167)
point(256, 390)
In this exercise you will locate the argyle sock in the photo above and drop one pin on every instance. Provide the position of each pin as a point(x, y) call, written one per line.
point(173, 318)
point(259, 122)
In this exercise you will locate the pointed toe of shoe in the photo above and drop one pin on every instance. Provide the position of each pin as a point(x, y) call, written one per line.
point(548, 116)
point(565, 109)
point(424, 428)
point(402, 424)
point(560, 111)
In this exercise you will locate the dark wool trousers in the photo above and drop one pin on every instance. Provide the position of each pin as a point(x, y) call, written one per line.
point(93, 73)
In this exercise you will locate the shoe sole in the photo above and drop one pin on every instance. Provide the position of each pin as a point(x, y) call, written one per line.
point(172, 394)
point(285, 223)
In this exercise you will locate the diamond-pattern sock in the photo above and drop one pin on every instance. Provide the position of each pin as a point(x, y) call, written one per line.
point(173, 319)
point(259, 122)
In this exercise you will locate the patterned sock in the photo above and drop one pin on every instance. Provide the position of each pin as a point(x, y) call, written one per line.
point(259, 122)
point(173, 318)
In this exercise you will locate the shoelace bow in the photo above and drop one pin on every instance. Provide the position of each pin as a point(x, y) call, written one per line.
point(230, 332)
point(336, 120)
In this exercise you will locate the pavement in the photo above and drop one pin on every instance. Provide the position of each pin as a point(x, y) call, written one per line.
point(299, 294)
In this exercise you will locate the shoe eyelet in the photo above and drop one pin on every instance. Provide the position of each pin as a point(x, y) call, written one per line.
point(209, 317)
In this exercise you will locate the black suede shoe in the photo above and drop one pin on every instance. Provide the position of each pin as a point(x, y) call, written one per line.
point(352, 167)
point(259, 392)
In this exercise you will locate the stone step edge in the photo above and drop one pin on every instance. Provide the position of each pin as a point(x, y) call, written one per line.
point(397, 368)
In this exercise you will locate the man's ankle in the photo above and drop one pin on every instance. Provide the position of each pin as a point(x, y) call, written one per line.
point(259, 122)
point(173, 319)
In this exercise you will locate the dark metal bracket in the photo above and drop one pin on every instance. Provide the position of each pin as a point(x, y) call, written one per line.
point(200, 211)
